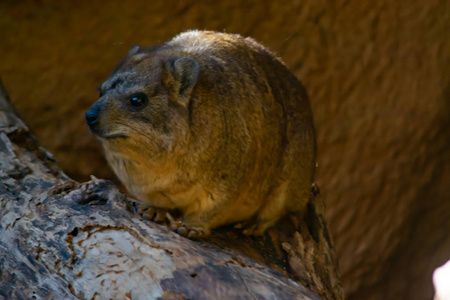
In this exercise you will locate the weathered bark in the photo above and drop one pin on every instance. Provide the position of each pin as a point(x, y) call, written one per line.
point(63, 240)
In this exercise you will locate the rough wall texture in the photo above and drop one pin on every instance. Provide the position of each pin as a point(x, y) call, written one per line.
point(378, 75)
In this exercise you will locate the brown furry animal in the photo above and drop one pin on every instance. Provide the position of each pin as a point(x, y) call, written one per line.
point(211, 124)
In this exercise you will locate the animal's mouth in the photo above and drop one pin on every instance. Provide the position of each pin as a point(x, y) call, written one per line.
point(108, 135)
point(113, 135)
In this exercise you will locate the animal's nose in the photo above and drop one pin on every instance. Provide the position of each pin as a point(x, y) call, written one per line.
point(92, 114)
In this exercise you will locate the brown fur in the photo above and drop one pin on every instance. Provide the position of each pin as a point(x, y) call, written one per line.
point(226, 136)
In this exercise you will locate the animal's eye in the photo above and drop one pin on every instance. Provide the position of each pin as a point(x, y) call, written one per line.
point(138, 100)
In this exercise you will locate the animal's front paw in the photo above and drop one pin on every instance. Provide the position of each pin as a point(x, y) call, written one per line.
point(191, 232)
point(158, 215)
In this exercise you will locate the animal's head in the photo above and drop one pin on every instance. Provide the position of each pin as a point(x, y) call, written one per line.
point(144, 106)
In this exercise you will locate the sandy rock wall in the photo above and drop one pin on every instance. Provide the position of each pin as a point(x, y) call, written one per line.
point(378, 75)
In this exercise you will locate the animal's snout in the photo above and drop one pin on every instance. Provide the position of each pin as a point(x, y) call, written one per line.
point(92, 115)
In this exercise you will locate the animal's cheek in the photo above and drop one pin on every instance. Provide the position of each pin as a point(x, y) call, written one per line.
point(113, 121)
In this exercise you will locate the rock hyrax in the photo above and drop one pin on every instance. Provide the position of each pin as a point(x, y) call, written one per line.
point(211, 124)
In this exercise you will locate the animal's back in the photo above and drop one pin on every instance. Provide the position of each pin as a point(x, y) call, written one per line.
point(267, 141)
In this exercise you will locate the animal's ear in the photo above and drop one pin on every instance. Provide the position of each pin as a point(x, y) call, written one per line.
point(185, 71)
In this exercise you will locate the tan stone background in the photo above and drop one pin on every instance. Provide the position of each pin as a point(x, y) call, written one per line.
point(378, 75)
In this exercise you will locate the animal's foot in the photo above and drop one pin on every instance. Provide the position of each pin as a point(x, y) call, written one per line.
point(256, 229)
point(191, 232)
point(158, 215)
